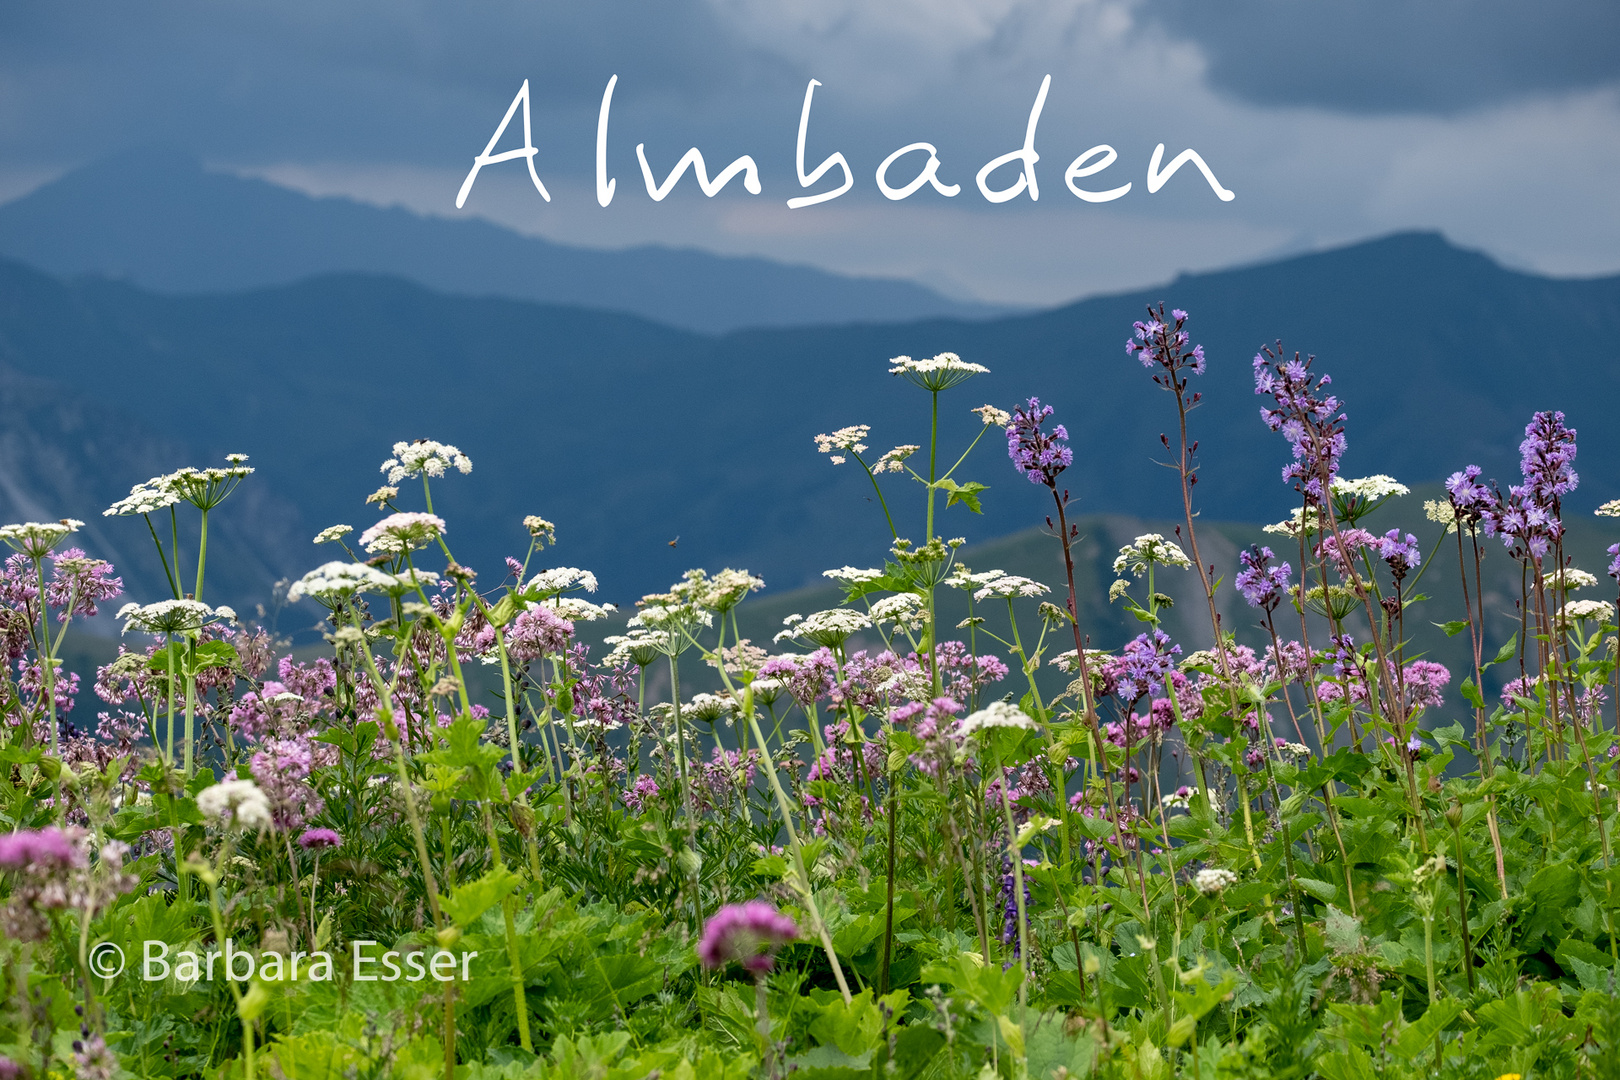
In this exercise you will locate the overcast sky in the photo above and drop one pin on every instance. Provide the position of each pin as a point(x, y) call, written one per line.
point(1495, 121)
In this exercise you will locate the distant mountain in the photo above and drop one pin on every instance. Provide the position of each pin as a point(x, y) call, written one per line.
point(157, 219)
point(632, 435)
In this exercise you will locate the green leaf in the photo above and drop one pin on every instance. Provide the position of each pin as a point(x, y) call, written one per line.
point(1454, 627)
point(1343, 931)
point(967, 494)
point(473, 898)
point(502, 613)
point(1506, 652)
point(1471, 692)
point(1322, 890)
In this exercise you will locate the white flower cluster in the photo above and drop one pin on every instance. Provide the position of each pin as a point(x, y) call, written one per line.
point(850, 575)
point(996, 585)
point(846, 438)
point(1070, 661)
point(1299, 521)
point(1298, 751)
point(1179, 799)
point(1211, 880)
point(398, 533)
point(172, 616)
point(333, 582)
point(1601, 610)
point(1568, 579)
point(992, 416)
point(722, 592)
point(830, 628)
point(204, 488)
point(936, 373)
point(1440, 511)
point(424, 456)
point(1146, 550)
point(239, 802)
point(1369, 488)
point(36, 538)
point(997, 714)
point(560, 580)
point(906, 610)
point(895, 460)
point(574, 609)
point(1609, 509)
point(640, 647)
point(333, 532)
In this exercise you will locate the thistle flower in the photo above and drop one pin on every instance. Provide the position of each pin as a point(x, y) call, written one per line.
point(398, 533)
point(333, 532)
point(424, 457)
point(749, 934)
point(1545, 458)
point(239, 802)
point(847, 439)
point(937, 373)
point(79, 582)
point(332, 583)
point(319, 840)
point(1262, 584)
point(1308, 418)
point(1036, 454)
point(36, 539)
point(1147, 550)
point(1213, 880)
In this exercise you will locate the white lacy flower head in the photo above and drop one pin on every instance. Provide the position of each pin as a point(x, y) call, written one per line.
point(207, 488)
point(334, 582)
point(850, 575)
point(239, 802)
point(1212, 880)
point(906, 610)
point(1006, 586)
point(710, 707)
point(655, 613)
point(1298, 521)
point(333, 532)
point(409, 580)
point(424, 456)
point(1119, 588)
point(640, 647)
point(722, 592)
point(895, 460)
point(936, 373)
point(540, 529)
point(1609, 509)
point(560, 580)
point(144, 498)
point(1369, 488)
point(399, 533)
point(1601, 610)
point(1441, 511)
point(172, 616)
point(1070, 661)
point(1569, 579)
point(1299, 751)
point(830, 628)
point(586, 725)
point(1148, 549)
point(992, 416)
point(36, 538)
point(574, 609)
point(997, 714)
point(846, 438)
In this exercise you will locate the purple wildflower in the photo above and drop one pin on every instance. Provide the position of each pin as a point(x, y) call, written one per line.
point(1545, 457)
point(747, 933)
point(1036, 454)
point(1424, 681)
point(1614, 564)
point(1401, 555)
point(319, 840)
point(49, 849)
point(639, 794)
point(1145, 662)
point(78, 581)
point(1341, 548)
point(1162, 344)
point(1469, 498)
point(1009, 898)
point(1308, 418)
point(1261, 584)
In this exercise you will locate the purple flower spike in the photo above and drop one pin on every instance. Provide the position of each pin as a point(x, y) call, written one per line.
point(1036, 454)
point(1262, 584)
point(1545, 457)
point(747, 933)
point(1307, 417)
point(319, 840)
point(1162, 344)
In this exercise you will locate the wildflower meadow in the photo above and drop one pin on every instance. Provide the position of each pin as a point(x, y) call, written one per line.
point(494, 828)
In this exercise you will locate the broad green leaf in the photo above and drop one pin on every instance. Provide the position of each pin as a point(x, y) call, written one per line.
point(473, 898)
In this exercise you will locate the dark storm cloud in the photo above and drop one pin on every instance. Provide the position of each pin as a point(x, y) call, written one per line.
point(1398, 56)
point(317, 79)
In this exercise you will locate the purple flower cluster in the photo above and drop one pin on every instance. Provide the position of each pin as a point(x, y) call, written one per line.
point(641, 793)
point(47, 851)
point(1401, 555)
point(1470, 499)
point(1262, 584)
point(1162, 344)
point(281, 770)
point(319, 840)
point(1144, 664)
point(1340, 549)
point(1009, 905)
point(1527, 521)
point(749, 934)
point(1307, 417)
point(1038, 455)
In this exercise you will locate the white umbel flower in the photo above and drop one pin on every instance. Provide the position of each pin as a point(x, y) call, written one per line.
point(1007, 586)
point(1568, 579)
point(936, 373)
point(574, 609)
point(1601, 610)
point(1212, 880)
point(333, 532)
point(398, 533)
point(1609, 509)
point(172, 616)
point(830, 628)
point(992, 416)
point(36, 538)
point(1369, 488)
point(239, 802)
point(561, 579)
point(334, 582)
point(846, 438)
point(1146, 550)
point(424, 457)
point(850, 575)
point(906, 610)
point(1299, 521)
point(997, 714)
